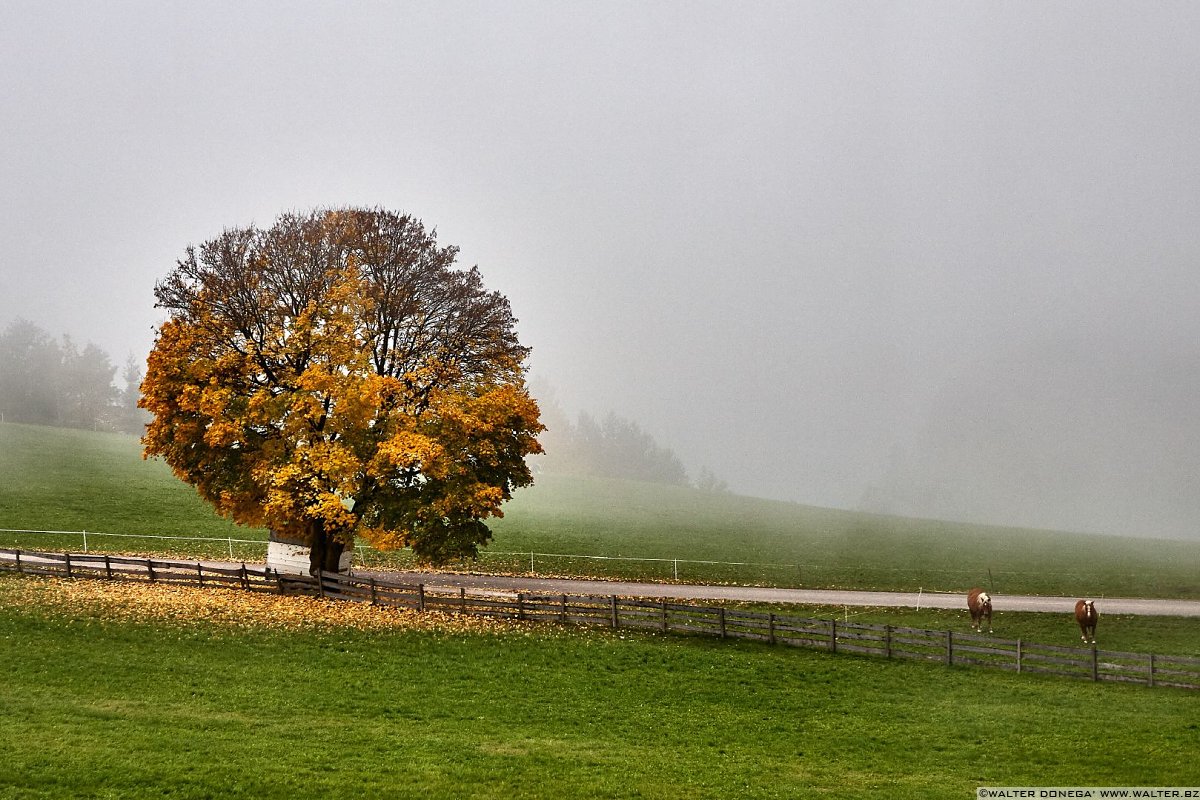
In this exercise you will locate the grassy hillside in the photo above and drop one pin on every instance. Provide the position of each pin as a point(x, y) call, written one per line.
point(61, 479)
point(72, 480)
point(829, 547)
point(153, 703)
point(826, 547)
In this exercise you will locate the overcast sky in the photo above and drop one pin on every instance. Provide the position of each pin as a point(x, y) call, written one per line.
point(931, 258)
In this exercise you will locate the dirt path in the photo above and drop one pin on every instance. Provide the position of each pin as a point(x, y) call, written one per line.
point(755, 594)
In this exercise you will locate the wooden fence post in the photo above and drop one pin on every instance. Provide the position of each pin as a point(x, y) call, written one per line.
point(524, 611)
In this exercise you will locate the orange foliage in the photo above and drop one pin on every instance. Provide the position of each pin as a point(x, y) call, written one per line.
point(316, 418)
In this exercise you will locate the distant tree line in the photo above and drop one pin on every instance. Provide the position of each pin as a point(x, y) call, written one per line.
point(612, 447)
point(44, 381)
point(615, 447)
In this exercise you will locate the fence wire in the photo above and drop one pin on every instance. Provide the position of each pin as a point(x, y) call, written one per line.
point(385, 557)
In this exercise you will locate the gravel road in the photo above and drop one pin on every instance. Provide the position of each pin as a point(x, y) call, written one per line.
point(1111, 605)
point(829, 597)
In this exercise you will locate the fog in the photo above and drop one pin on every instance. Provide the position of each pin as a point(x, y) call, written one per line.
point(937, 259)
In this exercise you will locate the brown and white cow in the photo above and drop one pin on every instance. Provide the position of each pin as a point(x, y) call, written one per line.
point(979, 603)
point(1086, 615)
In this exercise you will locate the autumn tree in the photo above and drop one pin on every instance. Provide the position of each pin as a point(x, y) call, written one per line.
point(334, 376)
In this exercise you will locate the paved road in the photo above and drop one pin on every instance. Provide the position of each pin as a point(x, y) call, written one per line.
point(831, 597)
point(1110, 605)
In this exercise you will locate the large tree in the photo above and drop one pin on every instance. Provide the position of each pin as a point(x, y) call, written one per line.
point(335, 375)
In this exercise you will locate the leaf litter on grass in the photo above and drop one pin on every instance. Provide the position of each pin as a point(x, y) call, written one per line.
point(128, 601)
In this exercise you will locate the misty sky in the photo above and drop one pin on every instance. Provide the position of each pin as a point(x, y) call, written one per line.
point(929, 258)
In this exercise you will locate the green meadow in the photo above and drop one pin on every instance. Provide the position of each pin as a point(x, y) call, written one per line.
point(55, 479)
point(62, 479)
point(97, 708)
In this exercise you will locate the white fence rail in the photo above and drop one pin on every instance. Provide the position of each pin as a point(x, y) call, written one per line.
point(361, 551)
point(98, 534)
point(366, 555)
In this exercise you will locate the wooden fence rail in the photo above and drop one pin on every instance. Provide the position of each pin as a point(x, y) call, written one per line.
point(887, 641)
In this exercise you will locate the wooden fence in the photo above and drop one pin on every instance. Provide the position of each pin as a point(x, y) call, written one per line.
point(888, 641)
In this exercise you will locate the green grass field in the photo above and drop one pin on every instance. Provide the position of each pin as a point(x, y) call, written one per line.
point(1179, 636)
point(54, 479)
point(60, 479)
point(98, 708)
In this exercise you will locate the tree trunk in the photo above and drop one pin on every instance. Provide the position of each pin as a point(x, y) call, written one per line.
point(326, 551)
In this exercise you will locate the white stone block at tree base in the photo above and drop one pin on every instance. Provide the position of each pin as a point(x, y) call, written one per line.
point(293, 559)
